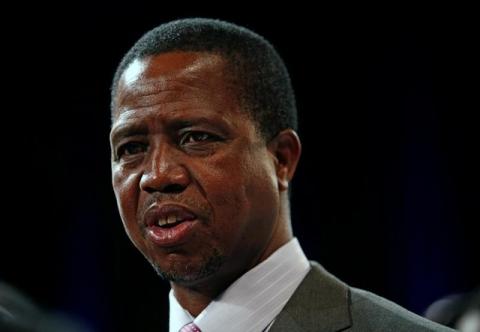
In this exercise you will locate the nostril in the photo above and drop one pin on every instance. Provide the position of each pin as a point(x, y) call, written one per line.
point(174, 188)
point(169, 179)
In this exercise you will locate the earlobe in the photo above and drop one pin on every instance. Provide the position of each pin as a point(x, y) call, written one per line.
point(286, 148)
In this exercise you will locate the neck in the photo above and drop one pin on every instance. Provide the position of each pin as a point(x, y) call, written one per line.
point(191, 299)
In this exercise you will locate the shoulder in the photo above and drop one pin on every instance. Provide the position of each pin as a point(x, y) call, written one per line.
point(371, 312)
point(324, 301)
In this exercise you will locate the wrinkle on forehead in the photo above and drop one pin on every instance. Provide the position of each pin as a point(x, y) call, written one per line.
point(155, 92)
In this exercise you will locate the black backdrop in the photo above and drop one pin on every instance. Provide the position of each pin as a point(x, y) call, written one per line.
point(386, 195)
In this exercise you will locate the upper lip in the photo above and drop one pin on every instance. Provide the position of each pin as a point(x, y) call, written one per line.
point(157, 212)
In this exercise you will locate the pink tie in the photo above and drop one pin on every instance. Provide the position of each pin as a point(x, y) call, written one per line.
point(190, 328)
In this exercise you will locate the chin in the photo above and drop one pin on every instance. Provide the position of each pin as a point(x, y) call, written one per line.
point(182, 272)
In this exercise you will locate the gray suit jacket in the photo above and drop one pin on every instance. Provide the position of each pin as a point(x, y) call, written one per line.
point(325, 304)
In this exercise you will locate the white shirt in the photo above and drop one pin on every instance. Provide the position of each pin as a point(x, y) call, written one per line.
point(253, 301)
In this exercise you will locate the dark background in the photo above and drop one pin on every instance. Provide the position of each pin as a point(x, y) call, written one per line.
point(386, 195)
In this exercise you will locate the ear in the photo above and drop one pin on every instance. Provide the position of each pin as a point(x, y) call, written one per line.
point(286, 149)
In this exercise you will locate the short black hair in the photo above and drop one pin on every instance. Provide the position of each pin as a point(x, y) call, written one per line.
point(262, 80)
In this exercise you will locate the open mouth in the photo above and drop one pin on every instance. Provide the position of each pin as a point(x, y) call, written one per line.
point(169, 225)
point(170, 221)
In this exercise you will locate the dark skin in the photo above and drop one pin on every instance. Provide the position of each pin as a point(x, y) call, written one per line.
point(180, 137)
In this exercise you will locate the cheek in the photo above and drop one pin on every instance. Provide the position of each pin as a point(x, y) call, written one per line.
point(126, 188)
point(243, 197)
point(226, 184)
point(263, 193)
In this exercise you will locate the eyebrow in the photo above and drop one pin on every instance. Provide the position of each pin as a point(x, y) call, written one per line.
point(134, 129)
point(126, 130)
point(195, 120)
point(212, 123)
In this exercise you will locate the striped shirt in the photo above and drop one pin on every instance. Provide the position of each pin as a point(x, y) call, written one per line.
point(253, 301)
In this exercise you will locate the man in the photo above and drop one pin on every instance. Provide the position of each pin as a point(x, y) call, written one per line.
point(204, 146)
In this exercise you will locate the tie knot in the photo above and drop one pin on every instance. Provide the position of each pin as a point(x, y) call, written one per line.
point(191, 327)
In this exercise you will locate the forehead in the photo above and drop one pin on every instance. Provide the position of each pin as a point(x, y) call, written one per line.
point(172, 64)
point(173, 76)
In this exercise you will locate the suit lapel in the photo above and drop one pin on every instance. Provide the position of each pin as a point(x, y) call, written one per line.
point(321, 303)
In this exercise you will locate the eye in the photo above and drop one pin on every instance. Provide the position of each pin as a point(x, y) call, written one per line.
point(130, 149)
point(196, 137)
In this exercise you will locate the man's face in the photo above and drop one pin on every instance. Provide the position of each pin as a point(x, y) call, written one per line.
point(195, 182)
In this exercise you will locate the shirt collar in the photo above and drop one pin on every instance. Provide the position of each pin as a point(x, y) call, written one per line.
point(253, 301)
point(179, 317)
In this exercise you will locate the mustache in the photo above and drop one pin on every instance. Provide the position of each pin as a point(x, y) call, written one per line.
point(201, 208)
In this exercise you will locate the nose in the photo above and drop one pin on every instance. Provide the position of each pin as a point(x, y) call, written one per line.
point(165, 173)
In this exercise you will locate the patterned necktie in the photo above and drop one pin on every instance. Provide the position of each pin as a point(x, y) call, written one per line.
point(191, 327)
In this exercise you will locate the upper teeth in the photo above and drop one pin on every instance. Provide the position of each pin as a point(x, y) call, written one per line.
point(171, 219)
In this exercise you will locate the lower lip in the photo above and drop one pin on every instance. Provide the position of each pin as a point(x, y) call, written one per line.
point(172, 236)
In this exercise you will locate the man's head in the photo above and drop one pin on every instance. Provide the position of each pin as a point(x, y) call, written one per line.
point(203, 148)
point(259, 75)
